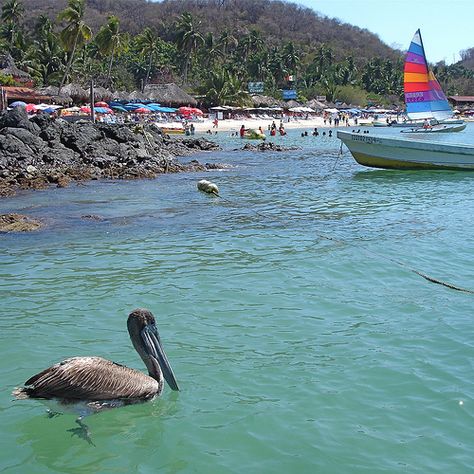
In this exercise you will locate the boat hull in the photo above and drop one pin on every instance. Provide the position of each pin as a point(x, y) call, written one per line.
point(410, 124)
point(172, 131)
point(396, 153)
point(437, 129)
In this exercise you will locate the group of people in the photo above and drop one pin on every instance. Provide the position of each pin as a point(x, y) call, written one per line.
point(315, 133)
point(273, 129)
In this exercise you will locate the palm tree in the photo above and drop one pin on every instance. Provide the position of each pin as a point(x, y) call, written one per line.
point(110, 40)
point(223, 88)
point(46, 54)
point(75, 34)
point(251, 43)
point(290, 58)
point(12, 13)
point(149, 46)
point(227, 40)
point(188, 39)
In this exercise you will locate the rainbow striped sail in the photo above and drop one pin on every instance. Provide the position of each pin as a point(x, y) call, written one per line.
point(424, 97)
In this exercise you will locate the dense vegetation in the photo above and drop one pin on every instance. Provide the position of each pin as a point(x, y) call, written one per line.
point(212, 47)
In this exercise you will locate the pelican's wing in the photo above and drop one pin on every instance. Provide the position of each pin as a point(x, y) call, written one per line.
point(91, 378)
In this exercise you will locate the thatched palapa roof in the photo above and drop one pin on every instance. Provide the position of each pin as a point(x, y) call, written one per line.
point(8, 67)
point(169, 94)
point(101, 93)
point(265, 101)
point(290, 104)
point(316, 104)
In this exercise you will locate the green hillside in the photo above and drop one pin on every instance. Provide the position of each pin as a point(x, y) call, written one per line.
point(212, 47)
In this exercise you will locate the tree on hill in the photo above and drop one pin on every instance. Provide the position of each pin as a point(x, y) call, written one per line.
point(75, 34)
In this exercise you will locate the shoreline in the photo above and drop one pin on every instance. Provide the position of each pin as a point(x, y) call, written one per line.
point(233, 125)
point(42, 151)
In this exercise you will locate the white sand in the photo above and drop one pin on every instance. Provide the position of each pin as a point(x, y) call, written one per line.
point(234, 125)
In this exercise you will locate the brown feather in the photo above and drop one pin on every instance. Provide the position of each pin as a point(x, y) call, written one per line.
point(92, 378)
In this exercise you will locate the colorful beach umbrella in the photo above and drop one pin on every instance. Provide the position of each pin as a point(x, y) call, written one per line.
point(103, 110)
point(190, 111)
point(31, 107)
point(142, 110)
point(18, 103)
point(101, 104)
point(85, 109)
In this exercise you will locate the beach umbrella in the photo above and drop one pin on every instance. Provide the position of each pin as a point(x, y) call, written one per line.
point(85, 109)
point(101, 104)
point(185, 110)
point(166, 110)
point(142, 110)
point(72, 109)
point(103, 110)
point(31, 107)
point(119, 108)
point(18, 103)
point(133, 106)
point(197, 111)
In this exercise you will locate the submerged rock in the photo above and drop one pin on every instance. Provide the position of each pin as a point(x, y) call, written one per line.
point(18, 223)
point(267, 146)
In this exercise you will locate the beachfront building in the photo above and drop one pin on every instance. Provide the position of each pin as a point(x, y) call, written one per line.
point(461, 102)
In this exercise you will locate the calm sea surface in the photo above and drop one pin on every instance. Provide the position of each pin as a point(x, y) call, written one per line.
point(301, 338)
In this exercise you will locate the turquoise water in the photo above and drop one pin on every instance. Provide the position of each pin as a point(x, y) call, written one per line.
point(299, 344)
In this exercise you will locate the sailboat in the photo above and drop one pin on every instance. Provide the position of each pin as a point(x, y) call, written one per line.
point(425, 100)
point(426, 104)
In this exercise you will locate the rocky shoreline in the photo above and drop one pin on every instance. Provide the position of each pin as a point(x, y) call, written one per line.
point(42, 151)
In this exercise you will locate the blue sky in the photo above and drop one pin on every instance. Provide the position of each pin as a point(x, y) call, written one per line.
point(447, 26)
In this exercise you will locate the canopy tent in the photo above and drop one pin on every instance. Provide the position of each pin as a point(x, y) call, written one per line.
point(301, 109)
point(48, 106)
point(71, 110)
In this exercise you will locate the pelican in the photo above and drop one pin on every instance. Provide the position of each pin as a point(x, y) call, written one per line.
point(100, 383)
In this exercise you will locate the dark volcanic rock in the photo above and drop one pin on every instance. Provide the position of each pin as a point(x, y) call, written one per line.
point(42, 151)
point(17, 118)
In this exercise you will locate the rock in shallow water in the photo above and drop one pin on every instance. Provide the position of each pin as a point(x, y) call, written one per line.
point(18, 223)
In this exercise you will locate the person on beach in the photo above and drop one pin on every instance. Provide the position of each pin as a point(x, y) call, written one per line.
point(215, 123)
point(242, 131)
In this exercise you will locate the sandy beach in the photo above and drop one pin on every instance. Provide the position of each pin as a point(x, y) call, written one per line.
point(234, 125)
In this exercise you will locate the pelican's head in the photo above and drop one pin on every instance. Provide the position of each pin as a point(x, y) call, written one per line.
point(146, 340)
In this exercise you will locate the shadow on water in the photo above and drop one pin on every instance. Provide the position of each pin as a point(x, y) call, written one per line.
point(428, 176)
point(53, 447)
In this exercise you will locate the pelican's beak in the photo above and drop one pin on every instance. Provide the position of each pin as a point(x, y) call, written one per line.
point(154, 349)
